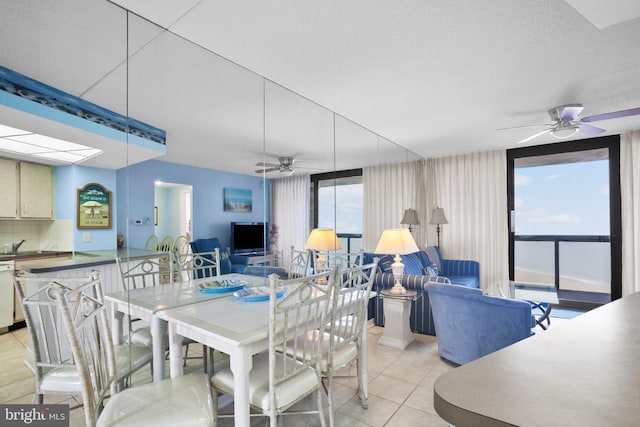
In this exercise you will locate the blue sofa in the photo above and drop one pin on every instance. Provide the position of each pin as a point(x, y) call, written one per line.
point(228, 263)
point(417, 277)
point(470, 325)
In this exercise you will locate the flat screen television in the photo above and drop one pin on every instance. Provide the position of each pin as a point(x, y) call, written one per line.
point(249, 237)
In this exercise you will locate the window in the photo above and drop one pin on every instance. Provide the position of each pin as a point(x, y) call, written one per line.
point(565, 218)
point(337, 204)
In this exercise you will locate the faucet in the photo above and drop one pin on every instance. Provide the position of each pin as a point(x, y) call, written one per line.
point(16, 246)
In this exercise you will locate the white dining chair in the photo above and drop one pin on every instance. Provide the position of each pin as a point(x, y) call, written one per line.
point(341, 339)
point(186, 400)
point(49, 354)
point(203, 264)
point(300, 263)
point(143, 272)
point(152, 243)
point(345, 259)
point(278, 381)
point(198, 266)
point(181, 251)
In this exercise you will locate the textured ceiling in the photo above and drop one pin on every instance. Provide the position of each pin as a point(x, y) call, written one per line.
point(435, 77)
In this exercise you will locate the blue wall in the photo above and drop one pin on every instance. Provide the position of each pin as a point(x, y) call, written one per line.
point(68, 179)
point(135, 194)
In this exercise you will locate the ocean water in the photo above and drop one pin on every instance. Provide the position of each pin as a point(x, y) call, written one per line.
point(583, 266)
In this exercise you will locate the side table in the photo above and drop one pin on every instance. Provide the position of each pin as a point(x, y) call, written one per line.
point(397, 310)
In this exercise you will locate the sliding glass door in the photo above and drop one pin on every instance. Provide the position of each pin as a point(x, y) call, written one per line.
point(564, 201)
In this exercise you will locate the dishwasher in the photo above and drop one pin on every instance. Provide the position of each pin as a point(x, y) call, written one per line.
point(6, 295)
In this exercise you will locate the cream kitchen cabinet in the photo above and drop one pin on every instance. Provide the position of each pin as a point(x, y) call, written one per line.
point(8, 188)
point(26, 190)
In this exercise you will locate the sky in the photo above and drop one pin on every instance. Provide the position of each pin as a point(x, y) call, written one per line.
point(562, 199)
point(348, 208)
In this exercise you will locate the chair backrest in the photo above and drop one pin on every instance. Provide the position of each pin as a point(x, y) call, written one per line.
point(299, 263)
point(152, 243)
point(346, 259)
point(466, 321)
point(85, 321)
point(203, 264)
point(49, 348)
point(152, 270)
point(181, 255)
point(49, 341)
point(350, 298)
point(166, 244)
point(301, 312)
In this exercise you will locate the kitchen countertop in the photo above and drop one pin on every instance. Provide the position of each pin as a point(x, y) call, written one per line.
point(21, 255)
point(72, 260)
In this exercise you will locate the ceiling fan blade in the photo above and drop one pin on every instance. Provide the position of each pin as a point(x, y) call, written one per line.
point(590, 130)
point(611, 115)
point(570, 112)
point(535, 135)
point(267, 170)
point(523, 127)
point(271, 165)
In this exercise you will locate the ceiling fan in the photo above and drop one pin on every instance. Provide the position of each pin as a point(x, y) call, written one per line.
point(565, 122)
point(285, 166)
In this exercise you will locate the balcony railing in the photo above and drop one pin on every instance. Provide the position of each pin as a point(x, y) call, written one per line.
point(350, 243)
point(576, 264)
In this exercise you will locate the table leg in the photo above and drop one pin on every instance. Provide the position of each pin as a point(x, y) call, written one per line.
point(158, 331)
point(175, 352)
point(241, 363)
point(363, 367)
point(116, 330)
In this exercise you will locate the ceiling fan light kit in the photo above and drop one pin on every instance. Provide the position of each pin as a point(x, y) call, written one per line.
point(565, 123)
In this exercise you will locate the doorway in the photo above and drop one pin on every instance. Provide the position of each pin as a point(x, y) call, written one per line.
point(173, 206)
point(564, 222)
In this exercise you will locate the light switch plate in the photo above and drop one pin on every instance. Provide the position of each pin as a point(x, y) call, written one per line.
point(86, 236)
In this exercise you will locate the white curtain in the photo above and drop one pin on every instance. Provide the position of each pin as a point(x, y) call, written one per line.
point(629, 189)
point(387, 191)
point(472, 190)
point(290, 210)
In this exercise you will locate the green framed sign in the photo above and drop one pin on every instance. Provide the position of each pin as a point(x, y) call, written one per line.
point(94, 206)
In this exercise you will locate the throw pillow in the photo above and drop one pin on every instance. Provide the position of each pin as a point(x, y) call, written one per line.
point(434, 256)
point(385, 263)
point(412, 264)
point(431, 271)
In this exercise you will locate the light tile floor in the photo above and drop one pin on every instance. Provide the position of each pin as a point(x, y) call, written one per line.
point(400, 384)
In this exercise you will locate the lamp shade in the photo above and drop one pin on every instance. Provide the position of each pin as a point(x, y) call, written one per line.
point(396, 241)
point(410, 217)
point(437, 216)
point(322, 239)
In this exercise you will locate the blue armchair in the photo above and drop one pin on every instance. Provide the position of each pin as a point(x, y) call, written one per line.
point(417, 277)
point(470, 325)
point(228, 263)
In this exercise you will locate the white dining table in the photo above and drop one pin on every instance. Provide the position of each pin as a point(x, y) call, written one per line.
point(145, 303)
point(239, 329)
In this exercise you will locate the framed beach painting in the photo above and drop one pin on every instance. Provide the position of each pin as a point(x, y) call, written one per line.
point(94, 206)
point(237, 200)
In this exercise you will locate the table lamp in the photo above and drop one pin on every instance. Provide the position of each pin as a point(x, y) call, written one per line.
point(399, 242)
point(322, 240)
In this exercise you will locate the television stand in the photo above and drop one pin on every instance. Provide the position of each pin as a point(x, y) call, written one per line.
point(263, 258)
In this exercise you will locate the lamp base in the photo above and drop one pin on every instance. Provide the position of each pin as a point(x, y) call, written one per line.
point(397, 289)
